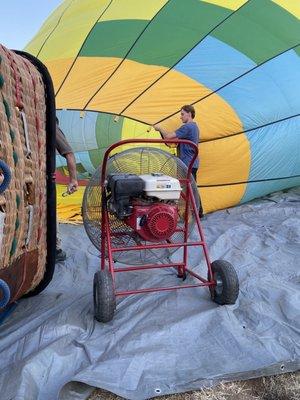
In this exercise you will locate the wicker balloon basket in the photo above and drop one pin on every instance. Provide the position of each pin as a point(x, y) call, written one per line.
point(27, 187)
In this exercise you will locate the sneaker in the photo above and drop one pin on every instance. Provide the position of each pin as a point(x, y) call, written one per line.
point(60, 255)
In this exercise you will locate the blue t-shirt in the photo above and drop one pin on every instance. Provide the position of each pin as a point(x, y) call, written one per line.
point(188, 131)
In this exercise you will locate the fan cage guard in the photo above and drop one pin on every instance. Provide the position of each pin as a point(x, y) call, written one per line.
point(139, 161)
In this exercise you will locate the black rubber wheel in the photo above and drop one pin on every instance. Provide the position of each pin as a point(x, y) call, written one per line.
point(104, 296)
point(4, 293)
point(226, 290)
point(182, 276)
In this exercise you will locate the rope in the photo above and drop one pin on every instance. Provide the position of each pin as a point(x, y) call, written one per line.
point(250, 181)
point(38, 127)
point(17, 78)
point(8, 113)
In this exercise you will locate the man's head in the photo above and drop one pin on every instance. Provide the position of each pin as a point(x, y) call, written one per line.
point(187, 113)
point(57, 120)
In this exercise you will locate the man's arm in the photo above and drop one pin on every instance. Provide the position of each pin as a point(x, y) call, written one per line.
point(66, 151)
point(71, 165)
point(164, 133)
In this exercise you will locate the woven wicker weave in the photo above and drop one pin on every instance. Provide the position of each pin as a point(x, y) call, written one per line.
point(22, 103)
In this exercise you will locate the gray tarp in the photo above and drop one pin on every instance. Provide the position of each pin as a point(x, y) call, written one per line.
point(167, 342)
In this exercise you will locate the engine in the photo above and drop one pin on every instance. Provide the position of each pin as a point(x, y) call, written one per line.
point(146, 203)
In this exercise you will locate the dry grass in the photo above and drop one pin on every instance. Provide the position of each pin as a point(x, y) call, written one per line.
point(280, 387)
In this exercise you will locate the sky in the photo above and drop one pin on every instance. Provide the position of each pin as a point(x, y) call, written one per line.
point(21, 20)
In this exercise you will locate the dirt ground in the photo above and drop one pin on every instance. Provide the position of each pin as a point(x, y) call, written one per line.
point(280, 387)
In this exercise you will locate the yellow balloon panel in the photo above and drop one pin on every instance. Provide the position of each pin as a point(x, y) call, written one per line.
point(75, 24)
point(58, 70)
point(69, 207)
point(126, 84)
point(165, 97)
point(218, 198)
point(35, 45)
point(231, 4)
point(292, 6)
point(224, 161)
point(132, 9)
point(81, 84)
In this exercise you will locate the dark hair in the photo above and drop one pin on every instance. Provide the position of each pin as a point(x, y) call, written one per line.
point(57, 120)
point(189, 109)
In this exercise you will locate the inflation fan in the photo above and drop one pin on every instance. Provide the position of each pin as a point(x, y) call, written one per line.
point(140, 207)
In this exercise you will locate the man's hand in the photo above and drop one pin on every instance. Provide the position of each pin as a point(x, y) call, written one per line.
point(73, 186)
point(157, 128)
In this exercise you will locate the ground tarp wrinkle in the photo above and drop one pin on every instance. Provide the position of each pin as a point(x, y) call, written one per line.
point(166, 342)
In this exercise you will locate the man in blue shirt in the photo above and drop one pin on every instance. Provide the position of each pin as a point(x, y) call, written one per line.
point(190, 131)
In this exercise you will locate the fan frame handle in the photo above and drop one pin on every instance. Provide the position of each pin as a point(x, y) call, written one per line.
point(138, 141)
